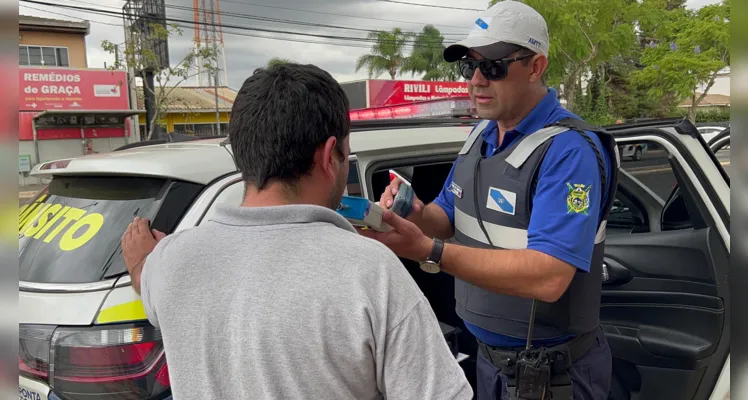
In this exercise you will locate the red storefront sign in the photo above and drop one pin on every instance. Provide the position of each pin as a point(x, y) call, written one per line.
point(453, 107)
point(50, 89)
point(26, 131)
point(72, 89)
point(388, 93)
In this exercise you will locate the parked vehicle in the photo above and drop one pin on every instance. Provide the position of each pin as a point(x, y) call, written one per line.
point(635, 151)
point(709, 132)
point(84, 333)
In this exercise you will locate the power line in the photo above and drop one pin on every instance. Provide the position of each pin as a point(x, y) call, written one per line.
point(70, 16)
point(340, 15)
point(286, 21)
point(272, 19)
point(239, 27)
point(431, 5)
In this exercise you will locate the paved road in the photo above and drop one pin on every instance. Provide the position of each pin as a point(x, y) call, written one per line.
point(654, 171)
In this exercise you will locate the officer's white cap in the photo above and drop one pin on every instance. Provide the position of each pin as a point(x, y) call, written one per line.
point(501, 30)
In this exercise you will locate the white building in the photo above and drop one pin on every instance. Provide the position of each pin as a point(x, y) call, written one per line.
point(721, 84)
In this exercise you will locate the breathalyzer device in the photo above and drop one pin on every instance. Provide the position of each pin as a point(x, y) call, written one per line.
point(402, 205)
point(362, 212)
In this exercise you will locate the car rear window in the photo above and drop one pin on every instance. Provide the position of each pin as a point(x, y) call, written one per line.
point(70, 233)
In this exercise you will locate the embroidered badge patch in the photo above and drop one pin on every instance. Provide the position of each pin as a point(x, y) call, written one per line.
point(578, 198)
point(501, 200)
point(456, 190)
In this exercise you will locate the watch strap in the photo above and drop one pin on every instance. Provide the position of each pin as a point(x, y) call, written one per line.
point(436, 251)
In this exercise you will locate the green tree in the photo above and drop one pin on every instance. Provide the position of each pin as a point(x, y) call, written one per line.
point(583, 35)
point(277, 61)
point(427, 57)
point(387, 53)
point(139, 55)
point(687, 52)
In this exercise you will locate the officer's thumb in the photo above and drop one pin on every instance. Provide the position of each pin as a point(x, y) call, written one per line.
point(395, 221)
point(395, 186)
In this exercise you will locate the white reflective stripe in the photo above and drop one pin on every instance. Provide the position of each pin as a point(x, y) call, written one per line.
point(530, 143)
point(601, 234)
point(501, 236)
point(477, 130)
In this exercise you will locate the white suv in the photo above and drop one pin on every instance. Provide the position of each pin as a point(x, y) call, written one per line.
point(84, 334)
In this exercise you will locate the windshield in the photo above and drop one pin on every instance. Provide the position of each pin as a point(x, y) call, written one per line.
point(70, 233)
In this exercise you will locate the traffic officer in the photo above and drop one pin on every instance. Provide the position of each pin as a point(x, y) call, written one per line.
point(526, 202)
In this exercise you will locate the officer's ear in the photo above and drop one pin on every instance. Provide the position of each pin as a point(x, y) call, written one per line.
point(538, 65)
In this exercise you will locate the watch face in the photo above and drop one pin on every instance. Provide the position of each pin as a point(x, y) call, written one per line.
point(431, 268)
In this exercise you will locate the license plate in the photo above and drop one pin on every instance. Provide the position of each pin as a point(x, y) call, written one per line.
point(32, 390)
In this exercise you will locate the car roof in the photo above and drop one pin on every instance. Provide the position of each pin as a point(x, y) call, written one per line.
point(188, 160)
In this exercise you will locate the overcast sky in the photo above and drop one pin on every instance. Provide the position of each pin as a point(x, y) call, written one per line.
point(245, 53)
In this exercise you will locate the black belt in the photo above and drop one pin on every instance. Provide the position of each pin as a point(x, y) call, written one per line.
point(562, 355)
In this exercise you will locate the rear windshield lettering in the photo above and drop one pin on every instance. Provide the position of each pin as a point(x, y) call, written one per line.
point(37, 219)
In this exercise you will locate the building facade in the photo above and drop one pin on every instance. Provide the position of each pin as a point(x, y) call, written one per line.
point(191, 110)
point(46, 42)
point(66, 110)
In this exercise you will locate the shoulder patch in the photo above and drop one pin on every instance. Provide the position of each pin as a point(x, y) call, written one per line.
point(578, 198)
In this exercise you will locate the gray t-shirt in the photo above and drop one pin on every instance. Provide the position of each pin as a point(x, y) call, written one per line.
point(291, 303)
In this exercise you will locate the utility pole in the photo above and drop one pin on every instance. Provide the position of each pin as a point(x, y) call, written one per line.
point(215, 87)
point(141, 18)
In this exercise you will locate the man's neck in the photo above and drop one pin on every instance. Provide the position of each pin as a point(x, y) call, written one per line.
point(278, 194)
point(534, 97)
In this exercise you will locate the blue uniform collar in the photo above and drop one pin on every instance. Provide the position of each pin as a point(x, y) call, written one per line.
point(539, 117)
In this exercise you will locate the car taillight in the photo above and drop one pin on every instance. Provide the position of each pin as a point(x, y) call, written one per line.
point(104, 362)
point(33, 350)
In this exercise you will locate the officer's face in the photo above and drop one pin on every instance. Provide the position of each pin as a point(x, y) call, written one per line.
point(501, 99)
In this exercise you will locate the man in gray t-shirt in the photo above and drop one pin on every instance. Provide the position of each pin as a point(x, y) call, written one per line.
point(281, 298)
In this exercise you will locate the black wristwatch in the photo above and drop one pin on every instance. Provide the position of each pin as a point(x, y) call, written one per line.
point(432, 264)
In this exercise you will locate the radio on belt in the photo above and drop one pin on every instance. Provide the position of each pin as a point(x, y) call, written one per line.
point(362, 212)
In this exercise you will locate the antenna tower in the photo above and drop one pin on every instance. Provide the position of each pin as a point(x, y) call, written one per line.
point(209, 33)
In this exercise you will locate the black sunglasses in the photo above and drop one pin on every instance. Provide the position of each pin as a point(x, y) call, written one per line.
point(493, 70)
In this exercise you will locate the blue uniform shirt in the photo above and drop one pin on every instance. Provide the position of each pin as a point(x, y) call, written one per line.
point(570, 159)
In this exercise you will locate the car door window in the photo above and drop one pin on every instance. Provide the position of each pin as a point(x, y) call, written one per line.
point(232, 195)
point(723, 155)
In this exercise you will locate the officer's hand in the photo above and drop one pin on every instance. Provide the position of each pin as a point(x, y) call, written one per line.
point(388, 197)
point(405, 239)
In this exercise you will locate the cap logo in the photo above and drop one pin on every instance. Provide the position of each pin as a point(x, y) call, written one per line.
point(534, 42)
point(481, 23)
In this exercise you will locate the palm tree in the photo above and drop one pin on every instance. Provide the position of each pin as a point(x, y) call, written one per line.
point(387, 53)
point(427, 57)
point(277, 61)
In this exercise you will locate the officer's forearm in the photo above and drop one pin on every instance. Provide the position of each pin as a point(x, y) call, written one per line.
point(434, 222)
point(523, 273)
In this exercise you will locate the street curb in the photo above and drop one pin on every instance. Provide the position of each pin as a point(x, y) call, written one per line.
point(26, 195)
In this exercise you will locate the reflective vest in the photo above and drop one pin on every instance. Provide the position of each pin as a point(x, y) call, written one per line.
point(503, 202)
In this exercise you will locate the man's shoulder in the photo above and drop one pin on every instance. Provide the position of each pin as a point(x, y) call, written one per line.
point(368, 251)
point(574, 141)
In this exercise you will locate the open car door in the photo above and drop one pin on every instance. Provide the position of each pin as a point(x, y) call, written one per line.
point(665, 300)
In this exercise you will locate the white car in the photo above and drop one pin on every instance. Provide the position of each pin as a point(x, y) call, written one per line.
point(83, 332)
point(709, 132)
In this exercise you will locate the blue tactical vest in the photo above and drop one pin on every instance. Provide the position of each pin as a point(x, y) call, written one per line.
point(514, 171)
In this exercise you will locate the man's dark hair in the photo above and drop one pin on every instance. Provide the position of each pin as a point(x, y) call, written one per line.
point(280, 117)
